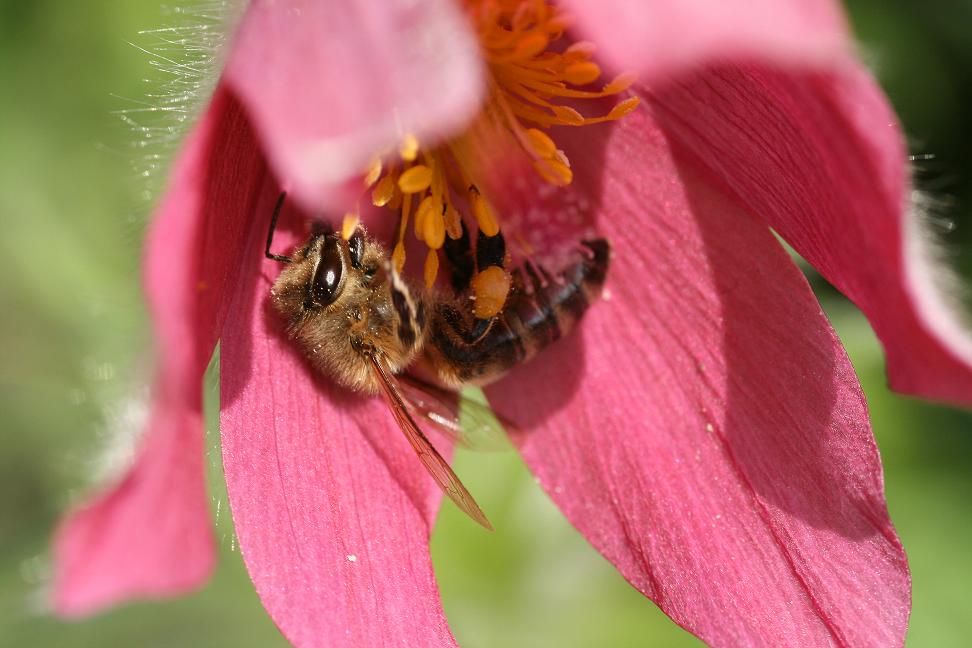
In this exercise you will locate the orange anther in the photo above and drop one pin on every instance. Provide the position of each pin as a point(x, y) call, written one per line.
point(349, 224)
point(424, 209)
point(374, 172)
point(453, 223)
point(623, 108)
point(568, 115)
point(409, 148)
point(484, 214)
point(554, 171)
point(398, 257)
point(531, 45)
point(383, 192)
point(541, 143)
point(580, 50)
point(620, 83)
point(416, 179)
point(431, 268)
point(434, 229)
point(582, 73)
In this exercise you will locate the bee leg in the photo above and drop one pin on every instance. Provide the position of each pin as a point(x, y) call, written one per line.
point(459, 253)
point(485, 277)
point(491, 284)
point(490, 251)
point(479, 328)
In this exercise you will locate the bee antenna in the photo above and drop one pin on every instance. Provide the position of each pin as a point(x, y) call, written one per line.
point(273, 226)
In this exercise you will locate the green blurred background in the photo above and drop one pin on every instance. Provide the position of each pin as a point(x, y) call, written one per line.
point(84, 121)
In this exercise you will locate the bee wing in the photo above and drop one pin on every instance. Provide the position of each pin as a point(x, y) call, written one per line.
point(433, 461)
point(465, 421)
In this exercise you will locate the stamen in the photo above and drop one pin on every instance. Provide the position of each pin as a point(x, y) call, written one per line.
point(620, 83)
point(420, 215)
point(582, 73)
point(398, 255)
point(530, 79)
point(416, 179)
point(453, 223)
point(626, 107)
point(554, 171)
point(349, 224)
point(434, 229)
point(541, 143)
point(409, 148)
point(581, 50)
point(431, 267)
point(384, 191)
point(483, 213)
point(374, 172)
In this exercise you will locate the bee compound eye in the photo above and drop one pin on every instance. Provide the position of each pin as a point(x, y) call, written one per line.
point(327, 277)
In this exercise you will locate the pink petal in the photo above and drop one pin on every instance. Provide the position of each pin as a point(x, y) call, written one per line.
point(147, 536)
point(150, 535)
point(660, 37)
point(821, 158)
point(704, 428)
point(332, 508)
point(330, 84)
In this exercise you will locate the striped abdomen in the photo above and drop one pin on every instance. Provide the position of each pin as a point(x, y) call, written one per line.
point(540, 309)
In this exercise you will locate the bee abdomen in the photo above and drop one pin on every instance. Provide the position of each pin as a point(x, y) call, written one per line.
point(549, 307)
point(541, 309)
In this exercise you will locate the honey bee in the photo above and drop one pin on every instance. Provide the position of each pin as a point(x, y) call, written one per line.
point(364, 325)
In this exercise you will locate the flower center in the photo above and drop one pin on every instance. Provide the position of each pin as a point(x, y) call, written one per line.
point(528, 83)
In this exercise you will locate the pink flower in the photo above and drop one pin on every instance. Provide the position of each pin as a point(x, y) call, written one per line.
point(703, 428)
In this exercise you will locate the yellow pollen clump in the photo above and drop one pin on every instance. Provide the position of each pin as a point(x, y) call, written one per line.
point(535, 83)
point(491, 286)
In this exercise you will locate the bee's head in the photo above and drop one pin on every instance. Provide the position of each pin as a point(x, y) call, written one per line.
point(323, 274)
point(343, 304)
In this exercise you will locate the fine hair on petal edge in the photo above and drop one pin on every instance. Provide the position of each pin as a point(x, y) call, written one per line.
point(184, 56)
point(930, 268)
